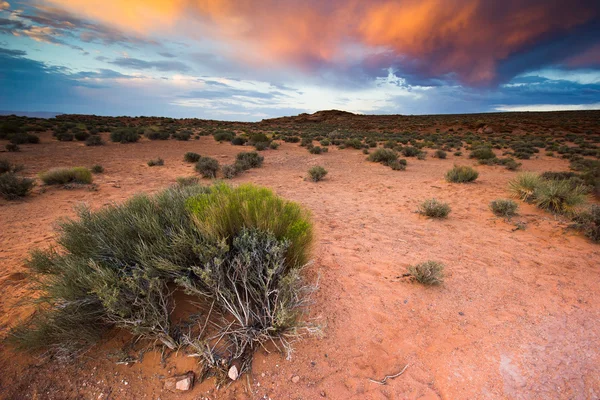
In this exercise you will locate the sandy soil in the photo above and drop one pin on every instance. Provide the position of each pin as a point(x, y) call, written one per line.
point(517, 318)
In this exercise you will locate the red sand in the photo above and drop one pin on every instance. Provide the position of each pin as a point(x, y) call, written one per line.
point(517, 318)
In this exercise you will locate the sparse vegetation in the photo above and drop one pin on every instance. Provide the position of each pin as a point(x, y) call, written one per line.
point(94, 140)
point(13, 186)
point(504, 208)
point(61, 176)
point(588, 221)
point(434, 209)
point(97, 169)
point(461, 174)
point(124, 135)
point(156, 162)
point(207, 167)
point(191, 157)
point(317, 173)
point(429, 273)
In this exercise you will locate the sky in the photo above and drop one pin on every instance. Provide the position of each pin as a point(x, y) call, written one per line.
point(248, 60)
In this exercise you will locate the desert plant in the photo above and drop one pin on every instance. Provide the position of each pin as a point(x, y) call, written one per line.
point(504, 207)
point(461, 174)
point(232, 170)
point(11, 147)
point(434, 209)
point(81, 135)
point(94, 140)
point(410, 151)
point(588, 221)
point(224, 136)
point(249, 160)
point(61, 176)
point(7, 166)
point(207, 167)
point(64, 136)
point(124, 135)
point(23, 138)
point(558, 196)
point(441, 154)
point(398, 165)
point(237, 252)
point(97, 169)
point(187, 180)
point(483, 153)
point(315, 150)
point(427, 273)
point(274, 145)
point(156, 162)
point(523, 186)
point(191, 157)
point(317, 173)
point(261, 146)
point(383, 156)
point(13, 186)
point(182, 135)
point(238, 141)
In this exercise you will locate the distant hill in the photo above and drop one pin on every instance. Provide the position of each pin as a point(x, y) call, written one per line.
point(32, 114)
point(319, 116)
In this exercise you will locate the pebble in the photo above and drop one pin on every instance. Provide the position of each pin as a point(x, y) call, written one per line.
point(295, 379)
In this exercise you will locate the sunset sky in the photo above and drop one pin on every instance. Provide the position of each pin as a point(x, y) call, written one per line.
point(249, 60)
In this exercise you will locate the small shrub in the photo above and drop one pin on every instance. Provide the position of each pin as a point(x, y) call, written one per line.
point(274, 145)
point(504, 208)
point(124, 135)
point(588, 221)
point(317, 173)
point(13, 186)
point(61, 176)
point(238, 141)
point(11, 147)
point(156, 162)
point(422, 155)
point(259, 137)
point(182, 135)
point(224, 136)
point(207, 167)
point(249, 160)
point(153, 134)
point(81, 135)
point(315, 150)
point(461, 174)
point(510, 164)
point(428, 273)
point(483, 153)
point(94, 140)
point(434, 209)
point(398, 165)
point(233, 170)
point(64, 137)
point(410, 151)
point(23, 138)
point(97, 169)
point(458, 153)
point(6, 166)
point(383, 156)
point(191, 157)
point(441, 154)
point(261, 146)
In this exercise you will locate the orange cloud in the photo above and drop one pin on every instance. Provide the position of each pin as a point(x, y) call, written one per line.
point(466, 38)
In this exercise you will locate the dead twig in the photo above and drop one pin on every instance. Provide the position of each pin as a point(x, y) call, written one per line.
point(384, 380)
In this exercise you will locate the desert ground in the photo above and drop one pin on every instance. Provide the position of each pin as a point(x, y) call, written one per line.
point(517, 317)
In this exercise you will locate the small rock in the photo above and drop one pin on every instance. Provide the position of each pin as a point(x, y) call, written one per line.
point(323, 394)
point(461, 313)
point(295, 379)
point(233, 373)
point(180, 382)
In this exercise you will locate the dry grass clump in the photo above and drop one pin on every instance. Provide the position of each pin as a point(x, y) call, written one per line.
point(61, 176)
point(461, 174)
point(434, 209)
point(238, 251)
point(429, 273)
point(523, 185)
point(157, 162)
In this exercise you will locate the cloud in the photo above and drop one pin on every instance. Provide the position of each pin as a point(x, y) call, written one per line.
point(475, 42)
point(4, 5)
point(549, 107)
point(163, 66)
point(166, 54)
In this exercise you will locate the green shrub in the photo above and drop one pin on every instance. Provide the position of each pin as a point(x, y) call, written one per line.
point(398, 165)
point(588, 221)
point(260, 146)
point(504, 208)
point(249, 160)
point(61, 176)
point(124, 135)
point(182, 135)
point(156, 162)
point(441, 154)
point(317, 173)
point(64, 137)
point(94, 140)
point(81, 135)
point(410, 151)
point(259, 137)
point(427, 273)
point(236, 252)
point(458, 153)
point(483, 153)
point(325, 142)
point(383, 156)
point(274, 145)
point(97, 169)
point(207, 167)
point(7, 166)
point(224, 136)
point(523, 186)
point(13, 186)
point(315, 150)
point(354, 143)
point(191, 157)
point(434, 209)
point(238, 141)
point(558, 196)
point(155, 134)
point(461, 174)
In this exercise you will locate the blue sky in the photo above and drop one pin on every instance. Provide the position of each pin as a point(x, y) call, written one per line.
point(234, 60)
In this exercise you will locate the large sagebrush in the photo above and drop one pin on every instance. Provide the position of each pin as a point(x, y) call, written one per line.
point(239, 252)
